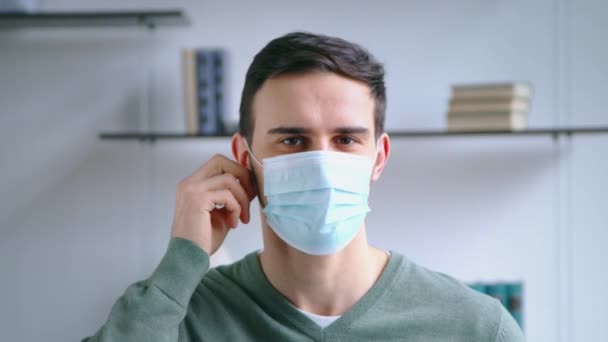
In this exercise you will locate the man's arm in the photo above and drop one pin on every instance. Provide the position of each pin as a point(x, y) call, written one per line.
point(153, 309)
point(209, 203)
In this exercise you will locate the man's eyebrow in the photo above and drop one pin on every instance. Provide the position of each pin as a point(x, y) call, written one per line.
point(352, 130)
point(288, 130)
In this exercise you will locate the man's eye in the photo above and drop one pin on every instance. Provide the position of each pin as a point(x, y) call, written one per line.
point(292, 141)
point(346, 140)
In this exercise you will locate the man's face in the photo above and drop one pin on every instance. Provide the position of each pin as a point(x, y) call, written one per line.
point(314, 111)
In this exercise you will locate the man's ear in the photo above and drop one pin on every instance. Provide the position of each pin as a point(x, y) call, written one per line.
point(382, 153)
point(239, 150)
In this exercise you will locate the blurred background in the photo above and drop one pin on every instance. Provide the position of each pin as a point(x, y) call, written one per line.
point(83, 218)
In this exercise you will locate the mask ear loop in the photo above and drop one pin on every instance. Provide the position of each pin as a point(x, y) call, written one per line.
point(251, 154)
point(253, 176)
point(378, 144)
point(376, 156)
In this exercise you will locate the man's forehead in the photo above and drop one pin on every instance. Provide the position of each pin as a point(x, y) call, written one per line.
point(313, 101)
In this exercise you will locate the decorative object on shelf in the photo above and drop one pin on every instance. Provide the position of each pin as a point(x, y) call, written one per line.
point(509, 294)
point(204, 88)
point(492, 106)
point(19, 6)
point(514, 301)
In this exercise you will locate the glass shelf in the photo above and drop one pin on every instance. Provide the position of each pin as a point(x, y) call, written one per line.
point(148, 18)
point(552, 132)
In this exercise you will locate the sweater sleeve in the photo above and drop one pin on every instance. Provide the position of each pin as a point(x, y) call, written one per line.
point(152, 310)
point(508, 330)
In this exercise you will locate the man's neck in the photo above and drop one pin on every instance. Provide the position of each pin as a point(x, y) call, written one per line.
point(324, 285)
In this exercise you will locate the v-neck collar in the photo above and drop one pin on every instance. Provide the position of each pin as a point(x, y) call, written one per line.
point(279, 307)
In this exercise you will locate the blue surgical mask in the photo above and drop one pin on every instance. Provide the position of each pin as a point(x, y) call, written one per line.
point(317, 201)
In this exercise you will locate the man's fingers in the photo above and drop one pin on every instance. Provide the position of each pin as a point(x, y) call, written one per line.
point(218, 165)
point(228, 181)
point(225, 198)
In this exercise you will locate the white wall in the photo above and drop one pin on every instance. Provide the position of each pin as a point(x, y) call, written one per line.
point(588, 170)
point(81, 219)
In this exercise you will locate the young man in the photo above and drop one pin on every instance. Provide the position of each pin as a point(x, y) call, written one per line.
point(311, 142)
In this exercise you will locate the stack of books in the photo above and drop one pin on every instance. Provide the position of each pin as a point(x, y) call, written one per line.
point(204, 79)
point(489, 107)
point(510, 295)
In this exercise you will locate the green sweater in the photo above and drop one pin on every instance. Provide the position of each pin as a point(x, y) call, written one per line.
point(184, 301)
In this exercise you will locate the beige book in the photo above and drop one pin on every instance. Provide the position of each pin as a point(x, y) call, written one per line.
point(515, 121)
point(484, 106)
point(492, 90)
point(189, 89)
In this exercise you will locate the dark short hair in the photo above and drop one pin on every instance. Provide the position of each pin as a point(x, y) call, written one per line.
point(302, 52)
